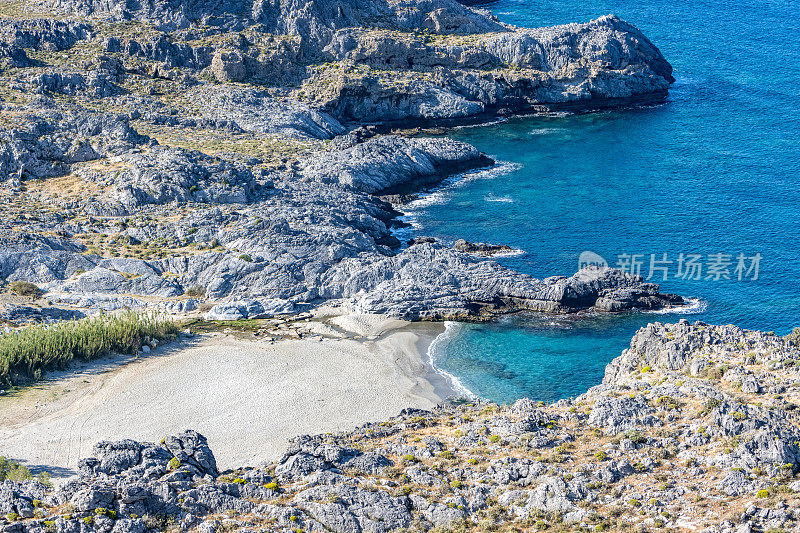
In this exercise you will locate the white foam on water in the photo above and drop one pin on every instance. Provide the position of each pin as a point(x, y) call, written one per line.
point(556, 114)
point(546, 131)
point(440, 195)
point(493, 198)
point(436, 352)
point(693, 306)
point(481, 124)
point(514, 252)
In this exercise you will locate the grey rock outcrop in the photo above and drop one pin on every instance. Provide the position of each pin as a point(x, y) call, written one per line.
point(50, 143)
point(257, 112)
point(390, 164)
point(313, 22)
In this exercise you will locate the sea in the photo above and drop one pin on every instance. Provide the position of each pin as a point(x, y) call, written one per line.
point(700, 194)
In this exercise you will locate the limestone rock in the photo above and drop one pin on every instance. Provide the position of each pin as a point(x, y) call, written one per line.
point(392, 163)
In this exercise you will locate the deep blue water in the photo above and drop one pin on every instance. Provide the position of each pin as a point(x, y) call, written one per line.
point(714, 170)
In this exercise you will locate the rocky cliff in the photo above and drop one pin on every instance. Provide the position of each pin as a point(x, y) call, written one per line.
point(694, 428)
point(172, 154)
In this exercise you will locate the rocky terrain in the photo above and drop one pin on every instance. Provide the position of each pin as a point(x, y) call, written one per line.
point(695, 427)
point(236, 158)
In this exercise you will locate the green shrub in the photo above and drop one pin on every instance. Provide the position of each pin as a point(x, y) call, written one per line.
point(196, 291)
point(601, 455)
point(666, 402)
point(102, 511)
point(174, 463)
point(25, 288)
point(635, 436)
point(9, 470)
point(44, 479)
point(31, 351)
point(494, 438)
point(245, 257)
point(408, 458)
point(271, 486)
point(763, 493)
point(794, 337)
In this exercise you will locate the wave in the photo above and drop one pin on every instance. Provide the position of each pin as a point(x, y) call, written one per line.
point(436, 352)
point(514, 252)
point(546, 131)
point(493, 198)
point(693, 306)
point(440, 195)
point(556, 114)
point(492, 122)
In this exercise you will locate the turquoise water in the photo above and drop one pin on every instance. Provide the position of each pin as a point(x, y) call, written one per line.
point(714, 170)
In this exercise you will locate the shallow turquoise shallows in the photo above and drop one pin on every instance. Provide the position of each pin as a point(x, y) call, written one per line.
point(714, 170)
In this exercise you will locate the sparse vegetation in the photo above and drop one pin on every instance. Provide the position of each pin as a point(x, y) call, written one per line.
point(12, 471)
point(794, 337)
point(196, 291)
point(25, 288)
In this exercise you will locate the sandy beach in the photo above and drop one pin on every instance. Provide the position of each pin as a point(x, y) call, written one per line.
point(247, 397)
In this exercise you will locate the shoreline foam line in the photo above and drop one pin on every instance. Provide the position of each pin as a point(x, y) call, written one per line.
point(694, 306)
point(451, 329)
point(438, 195)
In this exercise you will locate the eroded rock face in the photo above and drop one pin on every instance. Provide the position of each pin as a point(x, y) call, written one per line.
point(312, 21)
point(391, 164)
point(52, 141)
point(257, 112)
point(562, 67)
point(431, 281)
point(650, 438)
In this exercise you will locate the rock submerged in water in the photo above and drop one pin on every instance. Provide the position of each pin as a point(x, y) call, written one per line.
point(481, 248)
point(651, 440)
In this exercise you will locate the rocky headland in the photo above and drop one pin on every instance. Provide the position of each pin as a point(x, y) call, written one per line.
point(694, 428)
point(235, 158)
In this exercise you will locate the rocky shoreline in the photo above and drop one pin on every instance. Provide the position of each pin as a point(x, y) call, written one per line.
point(694, 428)
point(231, 158)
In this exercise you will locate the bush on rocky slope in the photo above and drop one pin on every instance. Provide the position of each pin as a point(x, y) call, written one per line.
point(13, 471)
